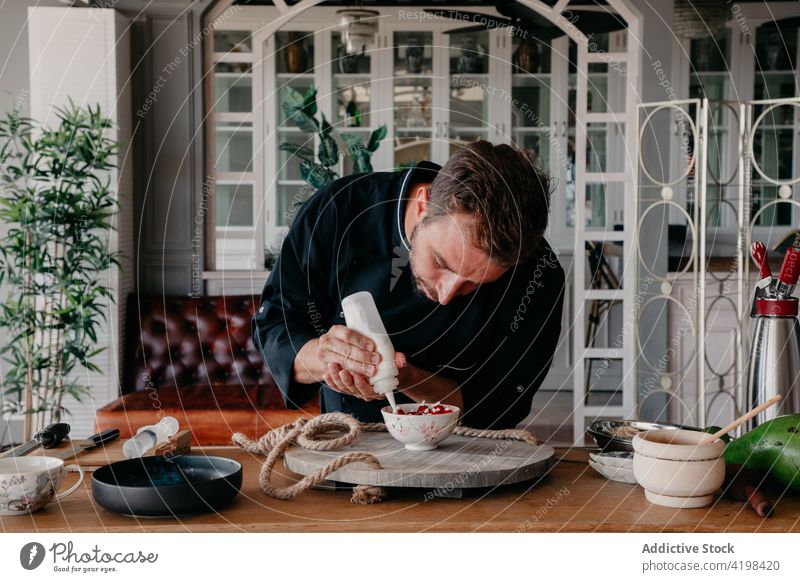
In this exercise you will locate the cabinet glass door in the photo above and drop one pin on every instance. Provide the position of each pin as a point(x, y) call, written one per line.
point(468, 70)
point(710, 78)
point(412, 96)
point(530, 98)
point(774, 139)
point(294, 68)
point(231, 115)
point(352, 94)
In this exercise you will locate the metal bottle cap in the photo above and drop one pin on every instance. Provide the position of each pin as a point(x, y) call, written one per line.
point(773, 307)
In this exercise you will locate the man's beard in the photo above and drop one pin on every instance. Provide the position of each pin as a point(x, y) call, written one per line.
point(421, 288)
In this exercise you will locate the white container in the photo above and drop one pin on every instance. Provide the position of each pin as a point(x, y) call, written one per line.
point(675, 469)
point(361, 314)
point(149, 436)
point(419, 433)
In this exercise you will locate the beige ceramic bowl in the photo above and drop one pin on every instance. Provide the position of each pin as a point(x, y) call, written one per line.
point(675, 469)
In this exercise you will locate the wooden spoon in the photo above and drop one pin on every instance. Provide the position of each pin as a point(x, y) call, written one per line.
point(742, 419)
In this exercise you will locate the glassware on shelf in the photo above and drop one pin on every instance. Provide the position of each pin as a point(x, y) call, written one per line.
point(470, 61)
point(239, 41)
point(415, 117)
point(233, 88)
point(414, 58)
point(295, 52)
point(348, 62)
point(526, 57)
point(412, 53)
point(349, 112)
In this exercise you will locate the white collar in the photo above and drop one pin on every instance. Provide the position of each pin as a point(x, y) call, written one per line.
point(399, 209)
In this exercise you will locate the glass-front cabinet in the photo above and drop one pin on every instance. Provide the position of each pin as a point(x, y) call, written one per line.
point(433, 86)
point(738, 67)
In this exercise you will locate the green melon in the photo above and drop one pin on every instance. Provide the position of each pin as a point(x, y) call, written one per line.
point(773, 448)
point(714, 429)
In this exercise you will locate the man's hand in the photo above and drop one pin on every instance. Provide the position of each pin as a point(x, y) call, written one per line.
point(355, 383)
point(342, 358)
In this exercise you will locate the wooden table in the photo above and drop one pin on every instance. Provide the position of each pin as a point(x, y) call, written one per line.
point(571, 498)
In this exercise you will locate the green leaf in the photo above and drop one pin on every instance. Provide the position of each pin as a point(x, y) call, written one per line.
point(301, 118)
point(310, 101)
point(362, 163)
point(301, 151)
point(376, 137)
point(293, 98)
point(325, 127)
point(327, 153)
point(316, 174)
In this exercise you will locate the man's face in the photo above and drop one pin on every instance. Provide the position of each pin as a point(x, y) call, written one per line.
point(445, 262)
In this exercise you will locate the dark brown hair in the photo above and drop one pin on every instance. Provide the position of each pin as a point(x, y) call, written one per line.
point(504, 190)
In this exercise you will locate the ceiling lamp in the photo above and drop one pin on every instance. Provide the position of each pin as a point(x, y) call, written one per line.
point(358, 28)
point(699, 18)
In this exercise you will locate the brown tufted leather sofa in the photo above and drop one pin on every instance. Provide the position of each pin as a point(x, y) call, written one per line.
point(194, 359)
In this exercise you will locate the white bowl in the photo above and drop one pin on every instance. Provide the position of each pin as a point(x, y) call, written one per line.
point(675, 469)
point(419, 433)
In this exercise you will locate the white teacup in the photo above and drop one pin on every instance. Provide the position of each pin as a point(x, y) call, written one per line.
point(29, 483)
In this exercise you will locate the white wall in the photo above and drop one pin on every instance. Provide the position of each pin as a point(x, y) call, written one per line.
point(14, 89)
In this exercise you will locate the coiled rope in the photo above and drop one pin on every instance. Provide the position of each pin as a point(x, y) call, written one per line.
point(304, 432)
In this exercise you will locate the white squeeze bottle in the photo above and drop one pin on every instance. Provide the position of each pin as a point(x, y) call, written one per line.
point(149, 436)
point(361, 314)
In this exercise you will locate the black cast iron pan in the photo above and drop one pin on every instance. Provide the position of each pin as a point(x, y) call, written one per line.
point(167, 486)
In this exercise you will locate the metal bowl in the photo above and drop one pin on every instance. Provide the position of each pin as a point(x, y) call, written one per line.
point(617, 435)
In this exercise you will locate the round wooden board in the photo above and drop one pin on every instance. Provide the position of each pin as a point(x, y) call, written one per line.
point(459, 462)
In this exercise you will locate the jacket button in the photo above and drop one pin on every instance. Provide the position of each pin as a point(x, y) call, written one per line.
point(261, 309)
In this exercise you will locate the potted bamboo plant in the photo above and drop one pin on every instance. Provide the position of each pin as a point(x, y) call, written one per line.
point(57, 205)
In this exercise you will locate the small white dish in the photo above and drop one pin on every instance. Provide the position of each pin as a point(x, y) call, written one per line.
point(419, 432)
point(612, 473)
point(622, 459)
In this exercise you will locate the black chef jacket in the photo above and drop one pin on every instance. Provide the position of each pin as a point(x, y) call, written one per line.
point(497, 342)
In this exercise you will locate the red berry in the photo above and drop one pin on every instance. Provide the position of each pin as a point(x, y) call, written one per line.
point(400, 411)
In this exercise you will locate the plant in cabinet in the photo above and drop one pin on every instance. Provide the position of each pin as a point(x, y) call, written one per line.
point(301, 109)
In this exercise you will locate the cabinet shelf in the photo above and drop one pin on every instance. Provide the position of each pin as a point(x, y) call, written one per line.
point(352, 77)
point(406, 81)
point(413, 129)
point(295, 76)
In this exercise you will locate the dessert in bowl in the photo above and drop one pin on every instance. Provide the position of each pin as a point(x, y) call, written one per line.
point(420, 427)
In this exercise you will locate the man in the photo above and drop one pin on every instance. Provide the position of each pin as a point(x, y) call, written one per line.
point(467, 287)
